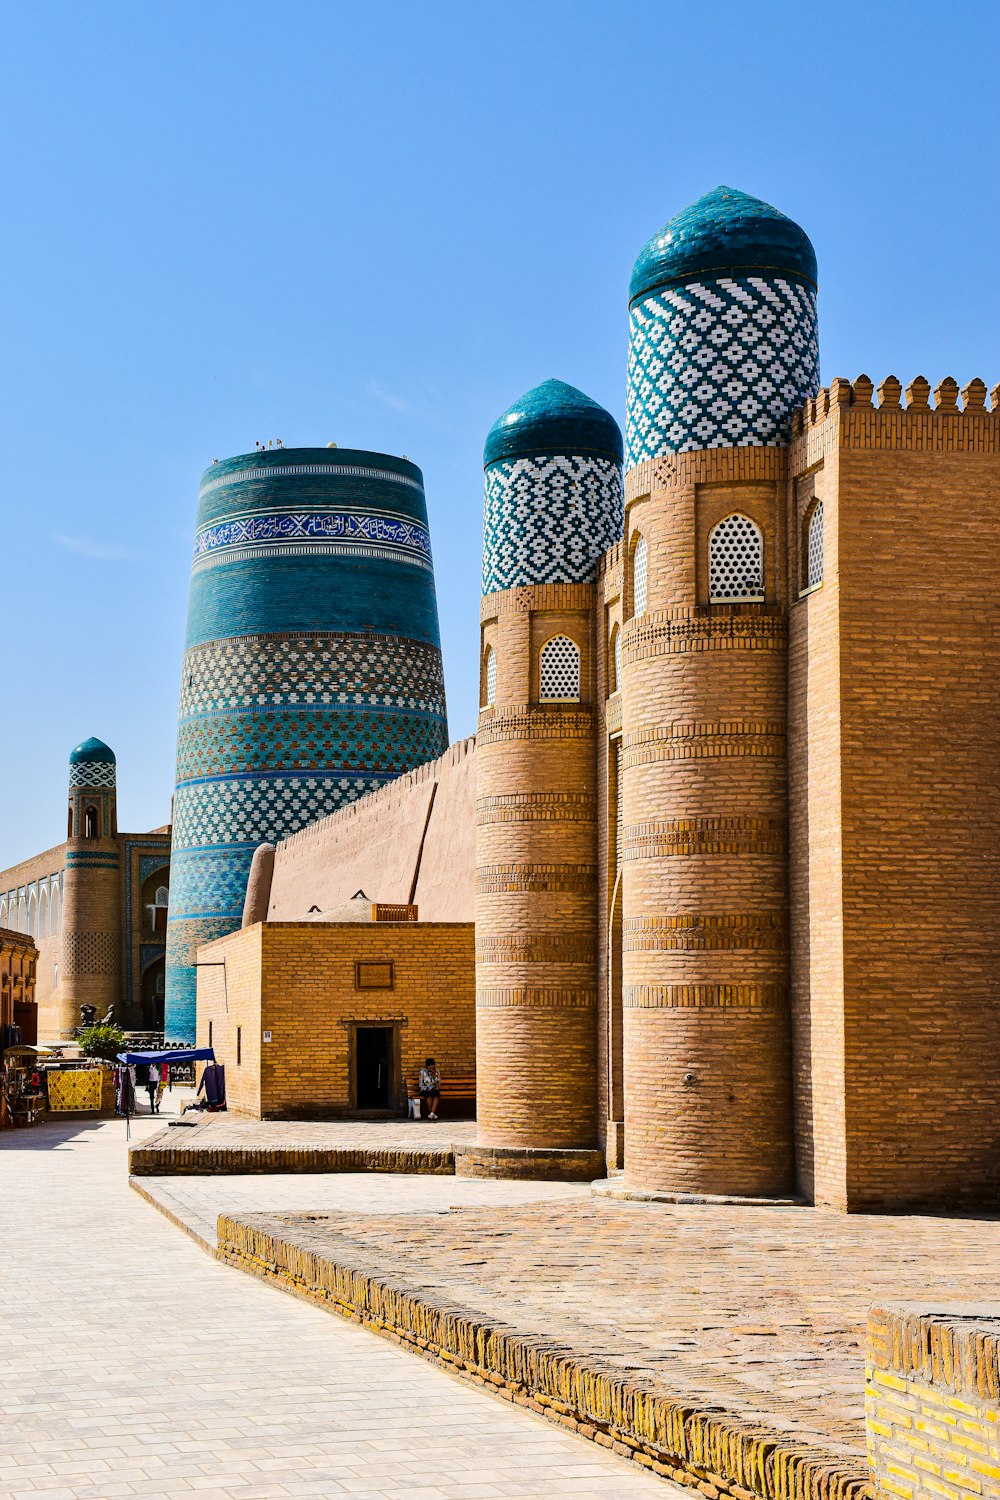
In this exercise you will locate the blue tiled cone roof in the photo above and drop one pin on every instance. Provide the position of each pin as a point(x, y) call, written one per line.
point(724, 233)
point(92, 751)
point(553, 418)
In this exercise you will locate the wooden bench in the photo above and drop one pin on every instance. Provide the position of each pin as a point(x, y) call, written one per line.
point(458, 1088)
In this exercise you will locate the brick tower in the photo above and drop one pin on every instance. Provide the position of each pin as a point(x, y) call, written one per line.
point(312, 671)
point(90, 967)
point(553, 505)
point(722, 348)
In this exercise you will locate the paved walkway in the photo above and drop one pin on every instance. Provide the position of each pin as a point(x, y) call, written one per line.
point(758, 1312)
point(131, 1363)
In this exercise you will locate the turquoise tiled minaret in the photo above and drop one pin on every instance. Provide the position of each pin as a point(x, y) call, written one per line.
point(722, 339)
point(553, 465)
point(312, 671)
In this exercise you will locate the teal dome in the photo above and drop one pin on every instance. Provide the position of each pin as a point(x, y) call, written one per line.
point(725, 233)
point(92, 752)
point(553, 418)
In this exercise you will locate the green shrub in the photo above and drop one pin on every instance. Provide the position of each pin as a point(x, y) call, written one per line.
point(102, 1041)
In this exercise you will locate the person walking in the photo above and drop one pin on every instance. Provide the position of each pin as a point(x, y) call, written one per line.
point(153, 1088)
point(430, 1087)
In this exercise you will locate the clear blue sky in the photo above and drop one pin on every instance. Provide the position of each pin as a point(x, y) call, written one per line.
point(379, 223)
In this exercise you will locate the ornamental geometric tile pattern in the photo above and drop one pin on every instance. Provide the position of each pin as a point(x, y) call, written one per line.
point(718, 364)
point(258, 807)
point(348, 739)
point(94, 773)
point(548, 519)
point(257, 672)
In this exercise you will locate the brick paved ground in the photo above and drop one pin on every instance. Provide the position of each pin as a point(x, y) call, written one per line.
point(758, 1311)
point(131, 1363)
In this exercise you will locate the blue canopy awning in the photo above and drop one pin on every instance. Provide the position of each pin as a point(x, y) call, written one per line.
point(170, 1055)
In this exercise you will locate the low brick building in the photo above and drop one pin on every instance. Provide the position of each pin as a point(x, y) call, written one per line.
point(321, 1019)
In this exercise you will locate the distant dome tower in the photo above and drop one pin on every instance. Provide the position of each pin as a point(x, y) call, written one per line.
point(722, 340)
point(553, 506)
point(722, 348)
point(312, 671)
point(90, 967)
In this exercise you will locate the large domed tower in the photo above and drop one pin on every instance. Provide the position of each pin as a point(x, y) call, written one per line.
point(722, 348)
point(90, 966)
point(553, 505)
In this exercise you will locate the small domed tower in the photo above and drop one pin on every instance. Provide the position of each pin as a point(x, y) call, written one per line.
point(722, 348)
point(553, 505)
point(90, 968)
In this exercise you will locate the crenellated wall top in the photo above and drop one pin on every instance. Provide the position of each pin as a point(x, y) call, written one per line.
point(856, 414)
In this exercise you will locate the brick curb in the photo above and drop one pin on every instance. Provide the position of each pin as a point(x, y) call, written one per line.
point(181, 1161)
point(706, 1450)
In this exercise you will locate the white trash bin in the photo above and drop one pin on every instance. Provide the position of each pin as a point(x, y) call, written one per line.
point(414, 1109)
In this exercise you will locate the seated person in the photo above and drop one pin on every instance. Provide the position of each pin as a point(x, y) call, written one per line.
point(430, 1087)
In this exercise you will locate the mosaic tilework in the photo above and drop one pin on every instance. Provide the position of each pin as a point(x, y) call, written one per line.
point(352, 739)
point(91, 773)
point(302, 532)
point(332, 469)
point(258, 807)
point(548, 519)
point(719, 364)
point(319, 669)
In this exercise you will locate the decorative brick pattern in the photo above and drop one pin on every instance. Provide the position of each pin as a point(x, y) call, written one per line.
point(91, 953)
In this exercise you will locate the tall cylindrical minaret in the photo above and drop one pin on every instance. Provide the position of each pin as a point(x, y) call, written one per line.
point(722, 348)
point(553, 505)
point(90, 963)
point(312, 671)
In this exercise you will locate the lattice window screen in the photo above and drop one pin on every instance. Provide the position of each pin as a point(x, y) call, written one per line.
point(491, 677)
point(640, 565)
point(616, 659)
point(559, 669)
point(735, 561)
point(814, 554)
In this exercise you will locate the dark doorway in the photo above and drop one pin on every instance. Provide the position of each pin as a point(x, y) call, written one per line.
point(374, 1067)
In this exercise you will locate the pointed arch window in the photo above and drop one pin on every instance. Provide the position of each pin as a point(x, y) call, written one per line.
point(640, 575)
point(90, 825)
point(489, 678)
point(814, 545)
point(559, 669)
point(615, 656)
point(736, 561)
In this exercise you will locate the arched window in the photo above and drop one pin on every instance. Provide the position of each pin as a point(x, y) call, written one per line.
point(90, 826)
point(640, 576)
point(615, 659)
point(42, 929)
point(22, 915)
point(69, 822)
point(814, 545)
point(490, 678)
point(735, 561)
point(3, 912)
point(559, 669)
point(55, 912)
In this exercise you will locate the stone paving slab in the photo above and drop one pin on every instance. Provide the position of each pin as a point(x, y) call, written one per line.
point(228, 1144)
point(133, 1364)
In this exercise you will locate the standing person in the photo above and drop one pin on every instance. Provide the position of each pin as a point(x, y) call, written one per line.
point(153, 1088)
point(430, 1087)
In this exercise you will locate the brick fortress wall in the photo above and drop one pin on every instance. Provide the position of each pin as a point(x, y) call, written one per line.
point(895, 803)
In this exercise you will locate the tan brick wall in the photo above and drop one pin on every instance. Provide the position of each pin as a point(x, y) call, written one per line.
point(536, 875)
point(704, 846)
point(932, 1403)
point(895, 933)
point(297, 980)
